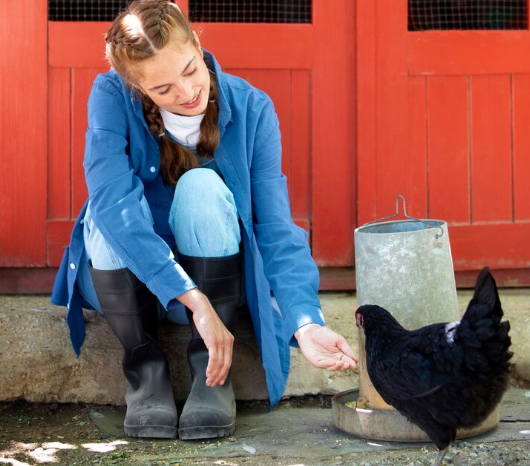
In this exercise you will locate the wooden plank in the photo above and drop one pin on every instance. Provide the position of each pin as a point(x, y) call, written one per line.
point(491, 146)
point(505, 278)
point(23, 123)
point(333, 132)
point(416, 158)
point(277, 85)
point(40, 280)
point(448, 127)
point(291, 101)
point(343, 278)
point(27, 280)
point(289, 49)
point(366, 40)
point(392, 107)
point(300, 173)
point(59, 231)
point(57, 238)
point(66, 39)
point(521, 146)
point(270, 46)
point(337, 278)
point(82, 80)
point(498, 245)
point(468, 52)
point(59, 120)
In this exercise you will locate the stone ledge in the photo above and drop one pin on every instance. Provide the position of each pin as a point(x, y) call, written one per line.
point(39, 365)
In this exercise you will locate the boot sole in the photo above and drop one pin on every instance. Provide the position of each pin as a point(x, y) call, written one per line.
point(202, 432)
point(150, 431)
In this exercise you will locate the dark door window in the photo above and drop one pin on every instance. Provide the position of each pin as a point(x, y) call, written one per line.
point(233, 11)
point(426, 15)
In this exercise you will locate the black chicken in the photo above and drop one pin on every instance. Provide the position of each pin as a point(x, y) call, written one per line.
point(442, 376)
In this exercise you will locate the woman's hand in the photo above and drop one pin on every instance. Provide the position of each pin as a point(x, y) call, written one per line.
point(324, 348)
point(218, 340)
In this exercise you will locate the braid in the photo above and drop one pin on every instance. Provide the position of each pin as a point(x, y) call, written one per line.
point(152, 115)
point(163, 12)
point(175, 160)
point(139, 32)
point(209, 139)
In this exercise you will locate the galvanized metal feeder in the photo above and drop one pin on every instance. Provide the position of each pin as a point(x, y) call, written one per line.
point(406, 267)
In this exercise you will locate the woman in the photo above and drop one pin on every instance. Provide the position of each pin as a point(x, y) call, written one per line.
point(187, 207)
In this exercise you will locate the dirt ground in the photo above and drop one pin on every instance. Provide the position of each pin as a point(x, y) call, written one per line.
point(35, 434)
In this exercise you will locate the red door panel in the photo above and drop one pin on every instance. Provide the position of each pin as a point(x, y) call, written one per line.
point(454, 104)
point(448, 148)
point(521, 146)
point(59, 128)
point(23, 140)
point(491, 149)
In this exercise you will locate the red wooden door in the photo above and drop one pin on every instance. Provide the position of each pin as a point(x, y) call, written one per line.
point(307, 69)
point(23, 136)
point(443, 120)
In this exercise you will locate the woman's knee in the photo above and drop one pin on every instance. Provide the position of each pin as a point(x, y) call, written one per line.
point(201, 184)
point(202, 192)
point(203, 216)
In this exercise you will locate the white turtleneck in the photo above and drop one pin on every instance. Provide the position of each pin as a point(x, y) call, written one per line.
point(185, 129)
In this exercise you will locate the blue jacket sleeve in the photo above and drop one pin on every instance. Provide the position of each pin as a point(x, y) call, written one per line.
point(289, 267)
point(115, 192)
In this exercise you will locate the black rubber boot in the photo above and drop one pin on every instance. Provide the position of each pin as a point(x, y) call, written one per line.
point(210, 412)
point(131, 311)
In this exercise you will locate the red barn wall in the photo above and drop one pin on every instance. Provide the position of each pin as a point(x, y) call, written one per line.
point(367, 111)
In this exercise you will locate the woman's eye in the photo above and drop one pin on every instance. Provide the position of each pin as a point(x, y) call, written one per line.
point(164, 91)
point(192, 72)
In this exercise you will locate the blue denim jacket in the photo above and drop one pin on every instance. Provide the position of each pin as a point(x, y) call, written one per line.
point(122, 161)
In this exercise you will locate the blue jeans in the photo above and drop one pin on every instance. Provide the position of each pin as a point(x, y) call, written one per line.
point(204, 222)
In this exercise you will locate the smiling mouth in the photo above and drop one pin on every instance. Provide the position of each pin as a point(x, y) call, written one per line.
point(193, 100)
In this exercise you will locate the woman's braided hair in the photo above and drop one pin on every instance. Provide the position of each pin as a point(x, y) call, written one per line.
point(138, 33)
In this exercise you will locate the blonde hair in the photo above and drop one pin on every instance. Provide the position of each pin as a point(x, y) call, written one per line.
point(137, 34)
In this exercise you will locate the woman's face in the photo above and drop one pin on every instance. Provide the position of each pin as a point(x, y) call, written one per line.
point(177, 79)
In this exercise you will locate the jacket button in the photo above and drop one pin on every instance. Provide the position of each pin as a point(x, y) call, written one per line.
point(72, 266)
point(153, 169)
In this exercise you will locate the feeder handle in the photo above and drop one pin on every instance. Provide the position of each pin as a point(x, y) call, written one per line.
point(426, 222)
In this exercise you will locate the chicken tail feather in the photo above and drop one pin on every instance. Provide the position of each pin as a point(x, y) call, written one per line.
point(486, 291)
point(481, 332)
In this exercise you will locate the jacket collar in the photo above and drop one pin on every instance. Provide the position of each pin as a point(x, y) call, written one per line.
point(225, 114)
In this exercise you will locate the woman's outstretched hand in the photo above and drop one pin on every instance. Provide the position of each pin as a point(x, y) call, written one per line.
point(218, 340)
point(324, 348)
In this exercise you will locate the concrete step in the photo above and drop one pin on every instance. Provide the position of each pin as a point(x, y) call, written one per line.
point(38, 364)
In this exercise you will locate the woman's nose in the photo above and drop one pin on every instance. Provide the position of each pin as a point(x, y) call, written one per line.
point(185, 92)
